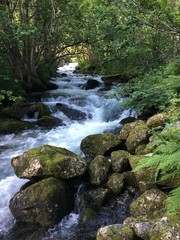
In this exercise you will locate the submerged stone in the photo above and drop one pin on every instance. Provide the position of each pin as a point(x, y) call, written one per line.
point(46, 161)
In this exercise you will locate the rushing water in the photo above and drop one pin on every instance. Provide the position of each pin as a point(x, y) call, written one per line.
point(99, 114)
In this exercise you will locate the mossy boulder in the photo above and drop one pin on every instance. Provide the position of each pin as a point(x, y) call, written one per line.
point(119, 161)
point(145, 177)
point(98, 170)
point(128, 127)
point(39, 108)
point(149, 204)
point(158, 120)
point(44, 203)
point(14, 126)
point(14, 112)
point(116, 183)
point(49, 121)
point(48, 161)
point(100, 144)
point(136, 137)
point(115, 232)
point(168, 227)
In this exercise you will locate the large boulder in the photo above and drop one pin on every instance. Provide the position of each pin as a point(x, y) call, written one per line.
point(14, 126)
point(119, 161)
point(116, 231)
point(145, 177)
point(100, 144)
point(128, 127)
point(136, 137)
point(98, 170)
point(158, 120)
point(40, 109)
point(44, 203)
point(46, 161)
point(168, 227)
point(149, 204)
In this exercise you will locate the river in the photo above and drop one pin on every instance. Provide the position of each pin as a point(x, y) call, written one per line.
point(98, 114)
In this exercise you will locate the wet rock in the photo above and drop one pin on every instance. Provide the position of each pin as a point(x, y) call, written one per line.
point(116, 183)
point(39, 108)
point(14, 126)
point(119, 160)
point(91, 84)
point(100, 144)
point(46, 161)
point(128, 127)
point(116, 231)
point(136, 137)
point(44, 203)
point(150, 203)
point(49, 121)
point(71, 113)
point(87, 216)
point(158, 120)
point(98, 170)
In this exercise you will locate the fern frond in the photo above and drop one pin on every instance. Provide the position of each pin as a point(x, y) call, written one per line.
point(173, 201)
point(168, 148)
point(170, 175)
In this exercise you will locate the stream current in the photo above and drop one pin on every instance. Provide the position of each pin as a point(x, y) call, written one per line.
point(100, 114)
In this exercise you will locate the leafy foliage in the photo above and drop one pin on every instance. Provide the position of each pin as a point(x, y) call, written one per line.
point(155, 90)
point(166, 162)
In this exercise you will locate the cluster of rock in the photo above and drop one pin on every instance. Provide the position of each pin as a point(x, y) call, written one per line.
point(11, 117)
point(108, 164)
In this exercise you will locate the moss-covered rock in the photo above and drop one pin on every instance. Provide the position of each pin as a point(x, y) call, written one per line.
point(140, 228)
point(119, 160)
point(116, 182)
point(39, 108)
point(145, 177)
point(115, 232)
point(14, 112)
point(158, 120)
point(49, 121)
point(45, 202)
point(168, 227)
point(150, 204)
point(87, 216)
point(100, 144)
point(14, 126)
point(98, 170)
point(46, 161)
point(136, 137)
point(128, 127)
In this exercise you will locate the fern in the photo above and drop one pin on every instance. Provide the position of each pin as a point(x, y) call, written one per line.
point(173, 201)
point(165, 161)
